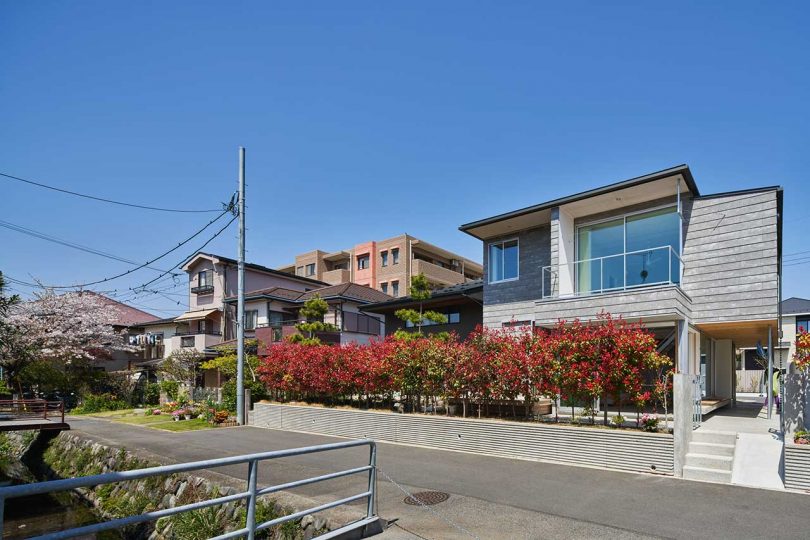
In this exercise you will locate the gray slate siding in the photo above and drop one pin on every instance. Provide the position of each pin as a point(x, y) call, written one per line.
point(554, 247)
point(534, 254)
point(730, 257)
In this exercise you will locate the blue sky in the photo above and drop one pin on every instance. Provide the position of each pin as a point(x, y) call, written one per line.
point(365, 120)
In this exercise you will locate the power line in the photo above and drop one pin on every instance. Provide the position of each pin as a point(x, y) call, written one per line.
point(102, 199)
point(147, 263)
point(67, 243)
point(198, 249)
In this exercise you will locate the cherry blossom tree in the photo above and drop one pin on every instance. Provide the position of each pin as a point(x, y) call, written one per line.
point(62, 329)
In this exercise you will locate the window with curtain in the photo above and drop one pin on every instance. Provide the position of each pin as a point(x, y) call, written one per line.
point(503, 261)
point(630, 251)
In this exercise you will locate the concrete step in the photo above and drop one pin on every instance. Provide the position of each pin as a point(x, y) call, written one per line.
point(717, 437)
point(708, 461)
point(714, 449)
point(707, 475)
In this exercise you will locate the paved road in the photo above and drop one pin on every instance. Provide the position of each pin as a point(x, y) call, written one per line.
point(496, 497)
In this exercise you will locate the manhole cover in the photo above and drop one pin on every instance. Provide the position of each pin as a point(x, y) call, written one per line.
point(427, 498)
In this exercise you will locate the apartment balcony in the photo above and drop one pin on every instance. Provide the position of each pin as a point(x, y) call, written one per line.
point(336, 277)
point(642, 284)
point(436, 273)
point(203, 289)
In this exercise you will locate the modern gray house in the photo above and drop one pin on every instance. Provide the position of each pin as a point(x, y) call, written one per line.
point(701, 270)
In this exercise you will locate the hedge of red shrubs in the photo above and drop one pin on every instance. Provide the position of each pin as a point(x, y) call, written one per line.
point(579, 362)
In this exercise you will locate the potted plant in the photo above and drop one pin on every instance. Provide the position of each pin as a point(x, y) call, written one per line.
point(177, 414)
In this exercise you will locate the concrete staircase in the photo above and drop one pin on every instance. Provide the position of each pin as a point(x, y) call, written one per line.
point(711, 456)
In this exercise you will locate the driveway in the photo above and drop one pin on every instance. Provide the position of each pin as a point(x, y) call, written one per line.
point(492, 497)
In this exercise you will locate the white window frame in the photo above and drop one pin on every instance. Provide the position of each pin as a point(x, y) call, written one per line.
point(489, 264)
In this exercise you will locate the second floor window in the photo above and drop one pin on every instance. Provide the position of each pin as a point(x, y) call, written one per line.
point(395, 256)
point(204, 278)
point(251, 318)
point(503, 260)
point(384, 258)
point(384, 287)
point(395, 288)
point(802, 324)
point(362, 262)
point(310, 269)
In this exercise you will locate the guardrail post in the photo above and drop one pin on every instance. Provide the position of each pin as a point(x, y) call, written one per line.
point(253, 473)
point(372, 480)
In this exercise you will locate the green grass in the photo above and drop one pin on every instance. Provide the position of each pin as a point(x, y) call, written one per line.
point(183, 425)
point(108, 414)
point(164, 422)
point(142, 419)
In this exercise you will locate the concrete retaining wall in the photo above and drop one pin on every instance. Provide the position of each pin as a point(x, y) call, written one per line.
point(601, 447)
point(797, 466)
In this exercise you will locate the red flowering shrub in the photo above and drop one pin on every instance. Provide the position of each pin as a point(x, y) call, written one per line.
point(578, 362)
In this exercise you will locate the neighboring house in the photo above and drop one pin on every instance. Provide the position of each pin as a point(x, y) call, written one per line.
point(462, 304)
point(209, 319)
point(271, 314)
point(387, 265)
point(795, 319)
point(701, 270)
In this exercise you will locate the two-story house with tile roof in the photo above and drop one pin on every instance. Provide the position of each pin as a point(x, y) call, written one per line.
point(701, 270)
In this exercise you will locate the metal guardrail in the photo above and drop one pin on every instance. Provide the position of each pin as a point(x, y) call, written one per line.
point(252, 493)
point(624, 271)
point(32, 409)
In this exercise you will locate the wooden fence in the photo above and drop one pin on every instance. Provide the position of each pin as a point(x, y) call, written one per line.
point(748, 379)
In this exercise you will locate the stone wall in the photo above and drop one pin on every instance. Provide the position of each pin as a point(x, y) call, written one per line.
point(71, 455)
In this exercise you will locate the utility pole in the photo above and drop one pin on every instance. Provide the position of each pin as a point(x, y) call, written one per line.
point(240, 304)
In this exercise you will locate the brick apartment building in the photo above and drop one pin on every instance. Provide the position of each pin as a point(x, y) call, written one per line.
point(387, 265)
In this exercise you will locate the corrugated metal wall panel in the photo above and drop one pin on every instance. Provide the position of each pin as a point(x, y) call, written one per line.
point(617, 449)
point(797, 467)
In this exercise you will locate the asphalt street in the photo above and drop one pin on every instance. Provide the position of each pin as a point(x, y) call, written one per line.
point(491, 497)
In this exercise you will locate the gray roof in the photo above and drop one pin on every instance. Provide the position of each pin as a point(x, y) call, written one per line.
point(462, 290)
point(680, 169)
point(794, 305)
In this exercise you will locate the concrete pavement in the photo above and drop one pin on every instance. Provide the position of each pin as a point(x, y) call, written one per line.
point(493, 497)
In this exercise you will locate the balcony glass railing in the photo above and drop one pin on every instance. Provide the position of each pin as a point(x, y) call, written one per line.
point(622, 271)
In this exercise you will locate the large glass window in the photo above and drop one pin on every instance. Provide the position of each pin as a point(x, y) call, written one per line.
point(630, 251)
point(503, 261)
point(362, 262)
point(600, 265)
point(802, 324)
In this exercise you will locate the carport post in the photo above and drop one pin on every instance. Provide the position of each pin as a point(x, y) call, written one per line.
point(770, 373)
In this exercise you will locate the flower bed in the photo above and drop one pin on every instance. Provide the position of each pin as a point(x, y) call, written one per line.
point(184, 410)
point(626, 449)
